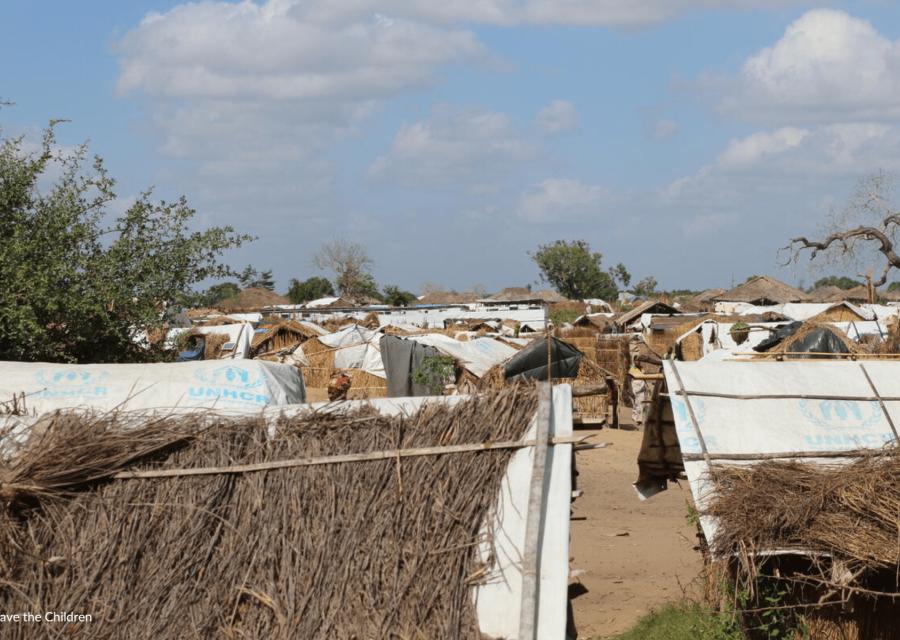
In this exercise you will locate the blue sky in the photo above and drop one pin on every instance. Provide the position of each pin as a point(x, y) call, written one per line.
point(688, 139)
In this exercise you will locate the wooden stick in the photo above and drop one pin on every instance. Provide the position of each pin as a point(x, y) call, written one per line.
point(849, 453)
point(350, 457)
point(531, 557)
point(781, 396)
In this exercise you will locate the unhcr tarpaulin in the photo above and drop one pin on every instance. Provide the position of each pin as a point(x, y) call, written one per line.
point(476, 355)
point(241, 385)
point(356, 348)
point(745, 412)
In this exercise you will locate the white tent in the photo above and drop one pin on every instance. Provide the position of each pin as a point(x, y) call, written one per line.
point(746, 412)
point(246, 385)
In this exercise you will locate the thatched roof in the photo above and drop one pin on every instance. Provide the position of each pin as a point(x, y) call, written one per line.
point(763, 290)
point(707, 296)
point(650, 306)
point(253, 298)
point(287, 332)
point(828, 293)
point(857, 294)
point(447, 297)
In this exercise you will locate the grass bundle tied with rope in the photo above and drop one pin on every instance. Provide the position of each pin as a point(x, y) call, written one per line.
point(851, 512)
point(384, 547)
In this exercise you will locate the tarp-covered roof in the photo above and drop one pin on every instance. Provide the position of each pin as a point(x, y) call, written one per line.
point(244, 385)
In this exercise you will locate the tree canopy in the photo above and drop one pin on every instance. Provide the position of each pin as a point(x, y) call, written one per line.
point(310, 289)
point(351, 265)
point(250, 278)
point(574, 270)
point(862, 235)
point(397, 297)
point(841, 282)
point(79, 283)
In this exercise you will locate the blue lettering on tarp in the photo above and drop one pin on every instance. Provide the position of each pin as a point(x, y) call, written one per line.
point(827, 442)
point(229, 395)
point(71, 382)
point(841, 414)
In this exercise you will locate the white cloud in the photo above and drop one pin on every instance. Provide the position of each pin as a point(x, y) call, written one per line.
point(557, 199)
point(559, 116)
point(789, 160)
point(609, 13)
point(459, 147)
point(272, 51)
point(827, 66)
point(750, 150)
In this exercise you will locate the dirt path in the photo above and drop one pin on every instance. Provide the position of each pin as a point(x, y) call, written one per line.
point(635, 555)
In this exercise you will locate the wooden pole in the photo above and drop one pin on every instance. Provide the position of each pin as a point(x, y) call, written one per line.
point(531, 558)
point(390, 454)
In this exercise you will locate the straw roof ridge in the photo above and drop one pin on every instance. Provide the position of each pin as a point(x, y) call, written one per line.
point(763, 289)
point(253, 298)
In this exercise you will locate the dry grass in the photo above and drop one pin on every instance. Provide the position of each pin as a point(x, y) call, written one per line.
point(376, 549)
point(849, 511)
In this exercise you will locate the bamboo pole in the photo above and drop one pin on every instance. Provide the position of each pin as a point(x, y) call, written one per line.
point(531, 557)
point(389, 454)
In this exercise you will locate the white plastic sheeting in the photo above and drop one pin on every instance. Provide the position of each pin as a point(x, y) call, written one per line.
point(246, 385)
point(239, 335)
point(477, 355)
point(356, 348)
point(423, 318)
point(805, 406)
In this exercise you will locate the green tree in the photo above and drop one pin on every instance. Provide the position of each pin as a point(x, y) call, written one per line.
point(250, 278)
point(310, 289)
point(621, 275)
point(397, 297)
point(841, 282)
point(351, 265)
point(646, 287)
point(79, 285)
point(217, 293)
point(574, 270)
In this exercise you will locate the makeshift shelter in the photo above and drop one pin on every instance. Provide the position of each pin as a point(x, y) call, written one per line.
point(228, 385)
point(763, 290)
point(807, 340)
point(843, 312)
point(650, 307)
point(272, 340)
point(159, 530)
point(225, 341)
point(827, 293)
point(352, 349)
point(567, 365)
point(794, 470)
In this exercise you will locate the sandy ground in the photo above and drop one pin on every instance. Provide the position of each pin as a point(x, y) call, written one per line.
point(635, 555)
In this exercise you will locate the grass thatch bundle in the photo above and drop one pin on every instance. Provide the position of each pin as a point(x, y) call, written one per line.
point(374, 549)
point(850, 511)
point(287, 334)
point(365, 385)
point(321, 363)
point(216, 321)
point(589, 373)
point(212, 342)
point(789, 344)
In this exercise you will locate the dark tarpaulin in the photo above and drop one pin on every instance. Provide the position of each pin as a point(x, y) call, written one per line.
point(818, 343)
point(531, 362)
point(401, 357)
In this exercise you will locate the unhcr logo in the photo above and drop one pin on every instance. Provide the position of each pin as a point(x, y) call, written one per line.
point(230, 384)
point(72, 383)
point(841, 414)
